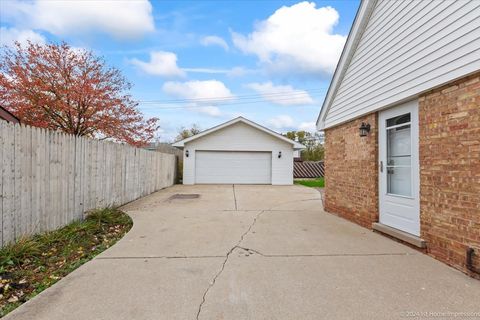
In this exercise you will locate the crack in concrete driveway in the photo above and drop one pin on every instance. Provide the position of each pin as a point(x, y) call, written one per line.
point(251, 252)
point(212, 283)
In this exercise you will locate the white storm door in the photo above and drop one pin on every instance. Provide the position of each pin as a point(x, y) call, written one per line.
point(233, 167)
point(399, 170)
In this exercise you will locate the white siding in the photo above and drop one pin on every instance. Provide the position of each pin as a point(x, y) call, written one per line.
point(242, 137)
point(408, 47)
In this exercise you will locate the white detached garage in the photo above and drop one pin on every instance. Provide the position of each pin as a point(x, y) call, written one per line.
point(239, 151)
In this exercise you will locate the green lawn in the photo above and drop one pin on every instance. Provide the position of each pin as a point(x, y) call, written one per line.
point(314, 183)
point(34, 263)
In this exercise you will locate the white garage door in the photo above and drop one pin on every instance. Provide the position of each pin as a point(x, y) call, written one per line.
point(240, 167)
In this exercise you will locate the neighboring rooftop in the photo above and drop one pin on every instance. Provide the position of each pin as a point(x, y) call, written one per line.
point(8, 116)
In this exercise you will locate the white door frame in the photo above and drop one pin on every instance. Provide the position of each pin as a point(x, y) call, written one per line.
point(399, 211)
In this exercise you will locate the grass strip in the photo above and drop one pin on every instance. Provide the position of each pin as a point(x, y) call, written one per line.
point(32, 264)
point(313, 183)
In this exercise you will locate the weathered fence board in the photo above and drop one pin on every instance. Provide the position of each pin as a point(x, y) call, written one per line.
point(49, 179)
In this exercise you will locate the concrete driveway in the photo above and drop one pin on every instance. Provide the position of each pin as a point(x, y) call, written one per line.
point(253, 252)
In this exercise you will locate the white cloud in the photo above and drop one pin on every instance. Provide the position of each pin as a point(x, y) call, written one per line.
point(215, 41)
point(206, 91)
point(162, 63)
point(307, 126)
point(201, 96)
point(121, 19)
point(233, 72)
point(286, 122)
point(237, 72)
point(8, 36)
point(240, 72)
point(210, 111)
point(297, 39)
point(281, 122)
point(284, 95)
point(206, 70)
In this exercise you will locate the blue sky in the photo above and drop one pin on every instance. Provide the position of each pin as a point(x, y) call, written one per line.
point(202, 62)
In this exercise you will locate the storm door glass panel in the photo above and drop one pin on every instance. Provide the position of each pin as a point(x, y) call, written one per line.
point(399, 156)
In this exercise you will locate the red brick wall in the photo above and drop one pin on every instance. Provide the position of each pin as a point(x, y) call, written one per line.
point(351, 174)
point(449, 121)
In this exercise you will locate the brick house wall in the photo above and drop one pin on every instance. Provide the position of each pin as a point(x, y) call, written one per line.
point(449, 123)
point(449, 155)
point(351, 174)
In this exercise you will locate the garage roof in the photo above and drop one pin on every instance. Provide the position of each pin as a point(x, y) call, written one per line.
point(296, 145)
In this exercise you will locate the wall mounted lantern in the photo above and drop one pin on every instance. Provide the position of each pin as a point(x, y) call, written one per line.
point(279, 154)
point(364, 129)
point(186, 153)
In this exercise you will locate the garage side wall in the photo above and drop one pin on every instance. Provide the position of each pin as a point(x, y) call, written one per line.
point(242, 137)
point(351, 175)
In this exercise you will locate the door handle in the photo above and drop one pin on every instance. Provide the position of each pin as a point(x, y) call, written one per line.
point(381, 166)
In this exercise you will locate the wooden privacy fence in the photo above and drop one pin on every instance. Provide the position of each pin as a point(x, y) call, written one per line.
point(49, 178)
point(308, 169)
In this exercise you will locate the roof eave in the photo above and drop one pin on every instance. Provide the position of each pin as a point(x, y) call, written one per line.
point(178, 144)
point(298, 146)
point(181, 143)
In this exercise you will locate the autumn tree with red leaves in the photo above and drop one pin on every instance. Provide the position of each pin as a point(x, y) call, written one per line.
point(58, 87)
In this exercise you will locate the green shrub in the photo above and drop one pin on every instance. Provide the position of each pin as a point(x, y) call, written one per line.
point(15, 253)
